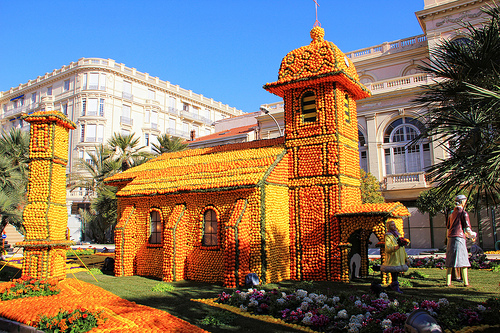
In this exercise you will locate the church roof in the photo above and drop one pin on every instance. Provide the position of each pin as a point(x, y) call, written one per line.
point(232, 166)
point(392, 209)
point(321, 61)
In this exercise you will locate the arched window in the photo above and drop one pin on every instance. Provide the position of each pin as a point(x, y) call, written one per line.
point(400, 157)
point(155, 227)
point(363, 158)
point(308, 106)
point(210, 228)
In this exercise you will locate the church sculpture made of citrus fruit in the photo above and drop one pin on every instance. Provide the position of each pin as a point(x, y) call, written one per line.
point(285, 208)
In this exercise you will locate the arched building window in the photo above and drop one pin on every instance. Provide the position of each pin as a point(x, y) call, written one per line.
point(363, 158)
point(400, 157)
point(308, 107)
point(155, 227)
point(210, 227)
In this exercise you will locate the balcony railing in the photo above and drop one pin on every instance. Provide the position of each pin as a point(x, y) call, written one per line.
point(127, 96)
point(93, 139)
point(390, 47)
point(404, 82)
point(94, 87)
point(126, 120)
point(173, 111)
point(405, 180)
point(195, 117)
point(177, 133)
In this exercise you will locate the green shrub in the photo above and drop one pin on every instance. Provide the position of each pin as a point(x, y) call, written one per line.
point(163, 287)
point(218, 318)
point(95, 271)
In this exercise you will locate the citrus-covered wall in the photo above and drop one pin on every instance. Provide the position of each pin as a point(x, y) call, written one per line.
point(244, 217)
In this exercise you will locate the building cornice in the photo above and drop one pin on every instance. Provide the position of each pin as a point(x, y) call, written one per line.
point(110, 66)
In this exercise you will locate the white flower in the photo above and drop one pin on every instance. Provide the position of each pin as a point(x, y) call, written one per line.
point(283, 295)
point(395, 303)
point(383, 296)
point(386, 323)
point(281, 301)
point(481, 307)
point(308, 300)
point(358, 303)
point(253, 302)
point(321, 299)
point(243, 308)
point(368, 314)
point(443, 302)
point(301, 293)
point(304, 306)
point(342, 314)
point(335, 299)
point(307, 318)
point(360, 318)
point(262, 291)
point(243, 295)
point(353, 329)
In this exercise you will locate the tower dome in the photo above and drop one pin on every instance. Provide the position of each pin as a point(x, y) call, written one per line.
point(320, 61)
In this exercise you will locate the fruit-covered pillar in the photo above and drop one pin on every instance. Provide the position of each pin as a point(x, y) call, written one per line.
point(45, 216)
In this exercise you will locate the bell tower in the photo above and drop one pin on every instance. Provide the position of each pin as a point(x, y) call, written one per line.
point(45, 216)
point(319, 86)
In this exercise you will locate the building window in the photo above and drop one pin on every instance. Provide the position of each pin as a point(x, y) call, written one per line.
point(84, 106)
point(49, 91)
point(308, 107)
point(151, 95)
point(127, 90)
point(94, 133)
point(147, 116)
point(363, 156)
point(94, 81)
point(66, 85)
point(154, 120)
point(400, 156)
point(82, 133)
point(92, 107)
point(185, 107)
point(210, 228)
point(65, 109)
point(101, 107)
point(33, 98)
point(347, 112)
point(155, 227)
point(146, 139)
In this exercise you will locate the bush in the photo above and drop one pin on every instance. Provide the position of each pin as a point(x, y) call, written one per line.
point(27, 286)
point(79, 320)
point(163, 287)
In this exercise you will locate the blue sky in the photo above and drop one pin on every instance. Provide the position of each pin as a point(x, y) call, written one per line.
point(223, 49)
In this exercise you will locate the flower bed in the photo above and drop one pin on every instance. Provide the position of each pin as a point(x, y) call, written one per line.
point(348, 313)
point(122, 315)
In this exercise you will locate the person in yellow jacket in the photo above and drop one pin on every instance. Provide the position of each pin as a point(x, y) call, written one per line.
point(396, 258)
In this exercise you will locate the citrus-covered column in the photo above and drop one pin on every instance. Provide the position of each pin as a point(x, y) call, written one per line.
point(45, 216)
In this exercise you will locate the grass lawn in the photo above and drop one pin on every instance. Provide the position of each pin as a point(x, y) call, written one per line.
point(177, 297)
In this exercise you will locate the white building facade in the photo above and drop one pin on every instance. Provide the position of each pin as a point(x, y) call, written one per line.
point(104, 97)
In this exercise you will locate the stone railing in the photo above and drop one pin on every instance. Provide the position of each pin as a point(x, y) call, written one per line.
point(404, 82)
point(405, 180)
point(389, 47)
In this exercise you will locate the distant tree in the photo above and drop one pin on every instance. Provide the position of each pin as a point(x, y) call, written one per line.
point(127, 150)
point(464, 122)
point(14, 164)
point(168, 144)
point(370, 188)
point(433, 202)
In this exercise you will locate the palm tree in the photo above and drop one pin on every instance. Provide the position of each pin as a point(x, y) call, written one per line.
point(168, 144)
point(14, 163)
point(466, 124)
point(127, 150)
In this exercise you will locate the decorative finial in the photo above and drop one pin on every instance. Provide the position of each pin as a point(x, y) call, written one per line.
point(316, 23)
point(317, 34)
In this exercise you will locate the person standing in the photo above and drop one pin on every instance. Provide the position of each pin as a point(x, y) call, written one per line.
point(459, 228)
point(396, 258)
